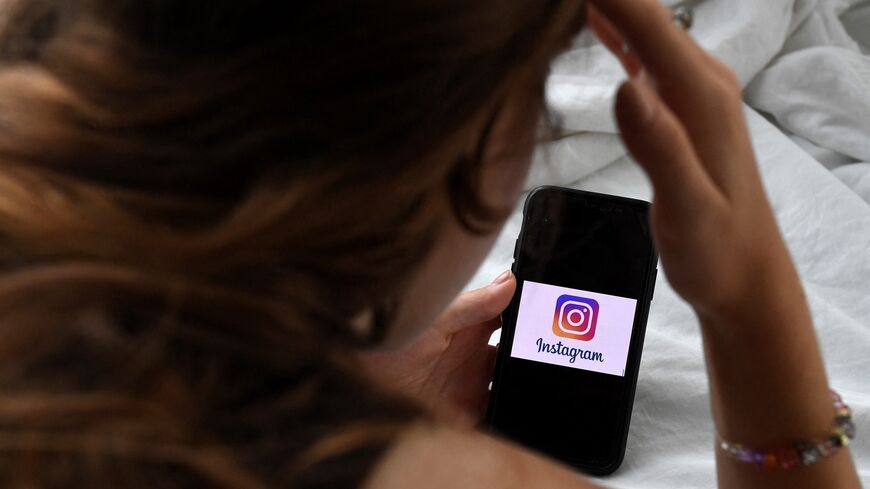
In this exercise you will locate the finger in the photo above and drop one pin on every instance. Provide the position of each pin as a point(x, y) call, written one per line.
point(478, 307)
point(659, 143)
point(665, 50)
point(702, 93)
point(613, 40)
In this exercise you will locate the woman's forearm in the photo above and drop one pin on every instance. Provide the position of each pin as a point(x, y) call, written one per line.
point(768, 386)
point(681, 118)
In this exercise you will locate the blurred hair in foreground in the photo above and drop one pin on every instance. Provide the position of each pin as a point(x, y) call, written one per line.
point(196, 197)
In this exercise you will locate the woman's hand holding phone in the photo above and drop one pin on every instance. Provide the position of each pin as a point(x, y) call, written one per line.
point(449, 367)
point(681, 117)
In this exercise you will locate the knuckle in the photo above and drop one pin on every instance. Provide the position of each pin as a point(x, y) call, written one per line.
point(724, 97)
point(488, 304)
point(731, 82)
point(720, 107)
point(478, 305)
point(726, 81)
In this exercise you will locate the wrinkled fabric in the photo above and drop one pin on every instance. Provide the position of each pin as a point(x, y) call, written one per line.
point(827, 228)
point(744, 34)
point(820, 195)
point(818, 87)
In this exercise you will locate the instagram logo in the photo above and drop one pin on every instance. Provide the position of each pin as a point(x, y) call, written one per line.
point(575, 318)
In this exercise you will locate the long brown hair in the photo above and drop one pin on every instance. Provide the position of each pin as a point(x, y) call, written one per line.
point(196, 195)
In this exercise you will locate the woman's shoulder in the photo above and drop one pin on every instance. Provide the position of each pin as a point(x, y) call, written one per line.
point(428, 455)
point(384, 442)
point(334, 426)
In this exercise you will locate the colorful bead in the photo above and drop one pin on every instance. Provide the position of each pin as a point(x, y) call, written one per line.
point(746, 455)
point(826, 448)
point(770, 461)
point(757, 457)
point(839, 438)
point(806, 453)
point(788, 458)
point(849, 429)
point(809, 455)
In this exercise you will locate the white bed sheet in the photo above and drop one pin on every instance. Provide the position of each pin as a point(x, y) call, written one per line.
point(827, 228)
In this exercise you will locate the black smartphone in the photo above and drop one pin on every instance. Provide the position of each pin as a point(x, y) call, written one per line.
point(572, 336)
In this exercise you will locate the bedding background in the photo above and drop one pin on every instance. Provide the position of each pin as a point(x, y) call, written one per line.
point(808, 95)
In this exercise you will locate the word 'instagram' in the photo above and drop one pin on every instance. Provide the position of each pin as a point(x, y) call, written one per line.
point(566, 351)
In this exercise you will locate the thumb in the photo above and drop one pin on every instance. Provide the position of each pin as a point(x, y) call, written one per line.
point(478, 306)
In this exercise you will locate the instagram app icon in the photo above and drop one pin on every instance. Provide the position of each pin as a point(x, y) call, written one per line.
point(575, 318)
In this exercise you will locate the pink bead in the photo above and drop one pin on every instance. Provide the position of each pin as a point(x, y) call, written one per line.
point(788, 458)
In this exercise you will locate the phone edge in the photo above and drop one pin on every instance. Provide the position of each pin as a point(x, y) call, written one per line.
point(652, 275)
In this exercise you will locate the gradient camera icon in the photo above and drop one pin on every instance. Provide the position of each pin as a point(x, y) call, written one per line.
point(575, 318)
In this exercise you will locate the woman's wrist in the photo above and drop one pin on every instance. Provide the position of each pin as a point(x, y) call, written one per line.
point(767, 377)
point(768, 294)
point(805, 452)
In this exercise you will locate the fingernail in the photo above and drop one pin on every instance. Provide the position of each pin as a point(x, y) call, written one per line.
point(504, 277)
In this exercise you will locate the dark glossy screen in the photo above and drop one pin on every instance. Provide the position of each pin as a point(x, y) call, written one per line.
point(588, 242)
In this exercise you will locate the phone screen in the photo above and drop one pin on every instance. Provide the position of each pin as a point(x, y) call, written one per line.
point(572, 336)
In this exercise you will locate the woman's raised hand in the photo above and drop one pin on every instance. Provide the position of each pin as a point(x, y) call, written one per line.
point(681, 117)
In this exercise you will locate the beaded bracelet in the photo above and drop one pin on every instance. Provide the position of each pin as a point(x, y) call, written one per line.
point(803, 453)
